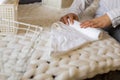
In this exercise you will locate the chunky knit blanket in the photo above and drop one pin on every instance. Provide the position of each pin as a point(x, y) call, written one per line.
point(25, 60)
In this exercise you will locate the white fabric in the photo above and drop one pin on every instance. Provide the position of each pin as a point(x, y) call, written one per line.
point(14, 51)
point(92, 33)
point(25, 60)
point(66, 38)
point(96, 58)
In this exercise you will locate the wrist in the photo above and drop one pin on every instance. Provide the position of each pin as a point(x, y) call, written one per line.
point(107, 20)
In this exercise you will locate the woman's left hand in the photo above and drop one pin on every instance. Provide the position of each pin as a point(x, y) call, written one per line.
point(99, 22)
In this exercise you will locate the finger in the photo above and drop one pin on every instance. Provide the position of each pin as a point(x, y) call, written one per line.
point(76, 18)
point(71, 19)
point(94, 26)
point(86, 24)
point(89, 25)
point(66, 20)
point(97, 25)
point(62, 20)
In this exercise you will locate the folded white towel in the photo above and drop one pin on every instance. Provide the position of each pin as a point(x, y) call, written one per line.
point(92, 33)
point(66, 38)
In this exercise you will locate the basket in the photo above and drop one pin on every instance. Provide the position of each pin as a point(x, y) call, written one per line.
point(8, 11)
point(26, 31)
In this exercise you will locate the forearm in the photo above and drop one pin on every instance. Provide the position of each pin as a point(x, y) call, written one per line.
point(79, 6)
point(114, 15)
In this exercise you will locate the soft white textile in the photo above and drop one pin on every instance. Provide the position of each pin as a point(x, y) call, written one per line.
point(92, 33)
point(17, 62)
point(66, 38)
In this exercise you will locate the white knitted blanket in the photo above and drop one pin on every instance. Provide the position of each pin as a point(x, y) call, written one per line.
point(95, 58)
point(25, 60)
point(14, 56)
point(15, 64)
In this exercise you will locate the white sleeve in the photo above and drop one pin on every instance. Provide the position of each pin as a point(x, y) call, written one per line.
point(114, 15)
point(79, 6)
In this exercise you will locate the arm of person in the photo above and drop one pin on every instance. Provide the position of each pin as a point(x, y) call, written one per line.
point(114, 16)
point(110, 18)
point(99, 22)
point(76, 8)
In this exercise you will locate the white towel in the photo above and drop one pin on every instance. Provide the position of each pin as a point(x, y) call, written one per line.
point(66, 38)
point(92, 33)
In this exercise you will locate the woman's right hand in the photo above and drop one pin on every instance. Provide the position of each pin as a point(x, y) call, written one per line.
point(71, 17)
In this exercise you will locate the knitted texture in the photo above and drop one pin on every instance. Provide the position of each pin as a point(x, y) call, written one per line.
point(27, 60)
point(95, 58)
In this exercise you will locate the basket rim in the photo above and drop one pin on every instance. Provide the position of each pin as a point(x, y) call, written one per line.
point(25, 29)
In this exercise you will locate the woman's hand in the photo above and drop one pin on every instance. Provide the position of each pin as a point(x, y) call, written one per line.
point(100, 22)
point(70, 16)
